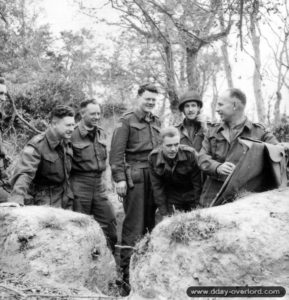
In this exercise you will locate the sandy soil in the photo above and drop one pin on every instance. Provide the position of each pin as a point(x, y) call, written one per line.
point(55, 247)
point(243, 243)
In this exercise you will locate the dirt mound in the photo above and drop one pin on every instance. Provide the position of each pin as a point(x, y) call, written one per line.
point(238, 244)
point(56, 247)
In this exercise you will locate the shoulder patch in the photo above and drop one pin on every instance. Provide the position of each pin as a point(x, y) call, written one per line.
point(118, 125)
point(36, 139)
point(29, 150)
point(127, 114)
point(155, 151)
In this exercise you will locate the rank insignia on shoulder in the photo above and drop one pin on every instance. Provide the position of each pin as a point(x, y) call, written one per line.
point(118, 125)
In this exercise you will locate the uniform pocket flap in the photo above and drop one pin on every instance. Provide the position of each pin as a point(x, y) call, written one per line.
point(80, 145)
point(276, 153)
point(138, 126)
point(52, 157)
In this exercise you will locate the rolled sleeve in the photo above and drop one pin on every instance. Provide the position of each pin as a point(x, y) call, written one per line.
point(205, 161)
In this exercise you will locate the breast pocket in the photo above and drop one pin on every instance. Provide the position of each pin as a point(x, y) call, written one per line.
point(138, 132)
point(219, 147)
point(82, 152)
point(52, 164)
point(156, 135)
point(102, 150)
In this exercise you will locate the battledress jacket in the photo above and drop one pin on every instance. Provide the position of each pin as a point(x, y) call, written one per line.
point(218, 148)
point(132, 141)
point(176, 184)
point(43, 164)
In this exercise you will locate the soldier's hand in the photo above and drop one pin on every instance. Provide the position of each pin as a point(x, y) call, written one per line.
point(121, 188)
point(226, 168)
point(10, 204)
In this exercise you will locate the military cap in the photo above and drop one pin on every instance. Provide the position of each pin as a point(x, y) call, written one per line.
point(190, 95)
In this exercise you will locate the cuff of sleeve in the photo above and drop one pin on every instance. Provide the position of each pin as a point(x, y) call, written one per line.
point(215, 166)
point(119, 177)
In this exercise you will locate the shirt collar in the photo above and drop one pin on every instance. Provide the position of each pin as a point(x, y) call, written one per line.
point(52, 139)
point(141, 114)
point(82, 129)
point(181, 156)
point(248, 124)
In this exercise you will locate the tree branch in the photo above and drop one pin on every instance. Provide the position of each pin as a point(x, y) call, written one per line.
point(32, 128)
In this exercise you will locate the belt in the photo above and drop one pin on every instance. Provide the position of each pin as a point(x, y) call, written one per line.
point(94, 174)
point(139, 164)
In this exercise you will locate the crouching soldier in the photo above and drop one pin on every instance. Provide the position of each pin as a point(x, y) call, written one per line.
point(40, 176)
point(175, 176)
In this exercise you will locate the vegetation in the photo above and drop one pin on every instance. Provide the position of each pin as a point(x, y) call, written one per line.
point(178, 44)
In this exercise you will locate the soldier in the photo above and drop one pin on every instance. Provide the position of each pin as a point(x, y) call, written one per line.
point(137, 133)
point(221, 150)
point(175, 175)
point(41, 174)
point(193, 127)
point(89, 164)
point(4, 159)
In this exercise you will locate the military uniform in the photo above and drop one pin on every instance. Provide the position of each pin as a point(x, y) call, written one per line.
point(4, 195)
point(40, 176)
point(175, 182)
point(192, 134)
point(87, 178)
point(220, 145)
point(133, 139)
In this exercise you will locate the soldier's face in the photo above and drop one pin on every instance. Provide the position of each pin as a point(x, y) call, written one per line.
point(225, 107)
point(147, 101)
point(91, 115)
point(191, 110)
point(63, 127)
point(3, 92)
point(171, 146)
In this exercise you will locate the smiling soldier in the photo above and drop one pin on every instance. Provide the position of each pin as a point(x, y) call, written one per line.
point(193, 127)
point(87, 174)
point(41, 174)
point(221, 150)
point(175, 175)
point(137, 133)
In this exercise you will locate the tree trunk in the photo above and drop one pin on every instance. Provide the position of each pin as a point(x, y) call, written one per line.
point(224, 49)
point(227, 65)
point(277, 117)
point(257, 79)
point(170, 77)
point(192, 73)
point(215, 98)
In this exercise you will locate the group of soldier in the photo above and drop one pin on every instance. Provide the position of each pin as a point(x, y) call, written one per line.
point(153, 168)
